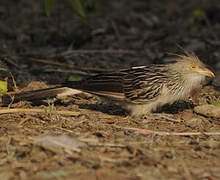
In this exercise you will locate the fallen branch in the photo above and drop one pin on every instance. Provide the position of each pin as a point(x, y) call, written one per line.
point(162, 133)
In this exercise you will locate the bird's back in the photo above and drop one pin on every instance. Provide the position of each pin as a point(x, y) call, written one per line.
point(137, 85)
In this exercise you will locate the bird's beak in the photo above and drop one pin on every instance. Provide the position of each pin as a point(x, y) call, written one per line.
point(206, 72)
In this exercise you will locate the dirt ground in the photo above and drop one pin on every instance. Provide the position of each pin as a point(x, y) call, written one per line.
point(79, 137)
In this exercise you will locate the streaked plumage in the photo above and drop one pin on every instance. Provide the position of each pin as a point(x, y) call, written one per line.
point(143, 89)
point(139, 90)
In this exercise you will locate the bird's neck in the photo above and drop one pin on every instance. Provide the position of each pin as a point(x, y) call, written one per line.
point(181, 85)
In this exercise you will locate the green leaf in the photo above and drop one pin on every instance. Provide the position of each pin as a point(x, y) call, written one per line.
point(199, 13)
point(75, 78)
point(78, 8)
point(48, 6)
point(215, 103)
point(3, 87)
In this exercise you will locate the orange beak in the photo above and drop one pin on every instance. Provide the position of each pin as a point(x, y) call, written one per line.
point(207, 72)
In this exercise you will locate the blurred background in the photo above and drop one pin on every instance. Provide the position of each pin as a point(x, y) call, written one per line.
point(47, 40)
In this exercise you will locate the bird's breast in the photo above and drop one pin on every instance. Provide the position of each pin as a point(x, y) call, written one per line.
point(170, 95)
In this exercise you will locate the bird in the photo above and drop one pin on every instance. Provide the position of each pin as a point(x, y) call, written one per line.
point(143, 89)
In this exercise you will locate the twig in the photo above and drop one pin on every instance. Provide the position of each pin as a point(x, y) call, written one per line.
point(107, 145)
point(14, 82)
point(128, 133)
point(167, 118)
point(162, 133)
point(15, 89)
point(22, 110)
point(69, 66)
point(63, 129)
point(104, 51)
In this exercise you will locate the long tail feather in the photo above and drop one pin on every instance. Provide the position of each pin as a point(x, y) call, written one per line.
point(37, 95)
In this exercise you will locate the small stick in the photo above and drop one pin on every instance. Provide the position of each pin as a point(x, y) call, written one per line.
point(69, 66)
point(14, 82)
point(162, 133)
point(128, 133)
point(22, 110)
point(167, 118)
point(107, 145)
point(104, 51)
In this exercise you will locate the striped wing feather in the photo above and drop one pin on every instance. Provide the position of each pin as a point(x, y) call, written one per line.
point(136, 85)
point(143, 84)
point(105, 84)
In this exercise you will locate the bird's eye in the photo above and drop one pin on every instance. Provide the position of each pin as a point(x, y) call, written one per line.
point(193, 67)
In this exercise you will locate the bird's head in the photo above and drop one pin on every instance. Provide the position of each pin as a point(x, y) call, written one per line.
point(192, 69)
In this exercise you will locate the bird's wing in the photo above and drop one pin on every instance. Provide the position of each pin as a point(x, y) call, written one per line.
point(144, 84)
point(136, 85)
point(105, 84)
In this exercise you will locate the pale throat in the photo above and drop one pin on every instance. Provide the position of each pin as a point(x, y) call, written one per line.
point(193, 81)
point(186, 84)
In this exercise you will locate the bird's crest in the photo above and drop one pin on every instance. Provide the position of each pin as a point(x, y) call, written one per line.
point(188, 56)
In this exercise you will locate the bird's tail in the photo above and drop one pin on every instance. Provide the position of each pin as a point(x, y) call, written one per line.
point(40, 94)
